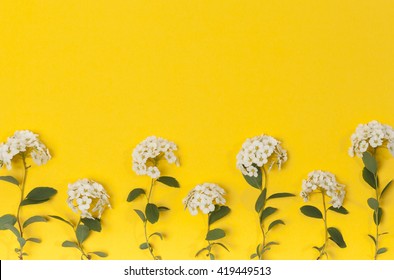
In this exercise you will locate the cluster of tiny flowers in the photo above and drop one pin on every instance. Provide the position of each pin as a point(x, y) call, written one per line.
point(204, 196)
point(149, 151)
point(324, 181)
point(83, 194)
point(23, 142)
point(258, 151)
point(372, 134)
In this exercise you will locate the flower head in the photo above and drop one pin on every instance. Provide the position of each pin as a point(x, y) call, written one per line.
point(325, 182)
point(88, 197)
point(370, 136)
point(204, 196)
point(258, 151)
point(26, 143)
point(149, 151)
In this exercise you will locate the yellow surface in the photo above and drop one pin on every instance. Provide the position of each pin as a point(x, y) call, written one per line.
point(94, 78)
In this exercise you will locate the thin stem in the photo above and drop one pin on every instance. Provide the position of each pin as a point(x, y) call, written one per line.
point(209, 242)
point(376, 218)
point(323, 250)
point(22, 188)
point(80, 247)
point(265, 179)
point(146, 222)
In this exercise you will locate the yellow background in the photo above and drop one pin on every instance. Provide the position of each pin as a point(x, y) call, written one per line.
point(94, 78)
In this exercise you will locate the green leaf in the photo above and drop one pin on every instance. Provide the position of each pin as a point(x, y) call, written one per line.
point(82, 233)
point(340, 210)
point(21, 241)
point(271, 243)
point(220, 244)
point(311, 211)
point(255, 182)
point(280, 195)
point(267, 212)
point(100, 254)
point(169, 181)
point(9, 179)
point(260, 202)
point(369, 178)
point(318, 248)
point(144, 246)
point(92, 224)
point(380, 213)
point(12, 229)
point(385, 188)
point(140, 214)
point(211, 256)
point(69, 244)
point(61, 219)
point(215, 234)
point(337, 237)
point(370, 162)
point(35, 240)
point(381, 251)
point(163, 208)
point(274, 223)
point(200, 251)
point(220, 212)
point(34, 219)
point(152, 213)
point(373, 203)
point(157, 234)
point(7, 219)
point(134, 194)
point(373, 238)
point(29, 201)
point(41, 193)
point(252, 256)
point(383, 233)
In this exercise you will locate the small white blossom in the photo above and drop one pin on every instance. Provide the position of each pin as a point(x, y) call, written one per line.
point(149, 151)
point(83, 194)
point(26, 143)
point(371, 135)
point(258, 151)
point(205, 197)
point(326, 182)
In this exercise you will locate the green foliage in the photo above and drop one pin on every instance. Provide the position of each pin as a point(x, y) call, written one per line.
point(134, 194)
point(280, 195)
point(169, 181)
point(211, 256)
point(221, 245)
point(385, 188)
point(41, 193)
point(140, 214)
point(32, 239)
point(373, 204)
point(377, 216)
point(218, 213)
point(157, 234)
point(275, 223)
point(144, 246)
point(163, 208)
point(61, 219)
point(381, 251)
point(260, 202)
point(267, 212)
point(7, 219)
point(70, 244)
point(337, 237)
point(29, 201)
point(34, 219)
point(311, 211)
point(13, 229)
point(152, 213)
point(200, 251)
point(9, 179)
point(82, 233)
point(370, 162)
point(340, 210)
point(373, 238)
point(215, 234)
point(369, 178)
point(99, 254)
point(255, 182)
point(92, 224)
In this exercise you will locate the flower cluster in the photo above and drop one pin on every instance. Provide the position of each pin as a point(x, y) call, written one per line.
point(372, 134)
point(149, 151)
point(326, 182)
point(23, 142)
point(83, 194)
point(258, 151)
point(204, 196)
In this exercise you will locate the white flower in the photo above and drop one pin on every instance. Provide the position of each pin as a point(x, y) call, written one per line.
point(26, 143)
point(258, 151)
point(148, 152)
point(371, 135)
point(83, 194)
point(204, 196)
point(325, 182)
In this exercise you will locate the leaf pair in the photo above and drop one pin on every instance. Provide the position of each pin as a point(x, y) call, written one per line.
point(336, 236)
point(314, 212)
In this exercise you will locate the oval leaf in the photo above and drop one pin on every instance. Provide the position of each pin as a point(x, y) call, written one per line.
point(152, 213)
point(144, 246)
point(21, 241)
point(373, 238)
point(41, 193)
point(12, 229)
point(373, 203)
point(140, 214)
point(211, 256)
point(82, 233)
point(35, 240)
point(169, 181)
point(30, 201)
point(381, 251)
point(7, 219)
point(220, 212)
point(100, 254)
point(275, 223)
point(385, 188)
point(157, 234)
point(9, 179)
point(34, 219)
point(134, 194)
point(61, 219)
point(337, 237)
point(163, 208)
point(255, 182)
point(311, 211)
point(215, 234)
point(379, 216)
point(267, 212)
point(280, 195)
point(92, 224)
point(370, 162)
point(69, 244)
point(340, 210)
point(260, 202)
point(369, 178)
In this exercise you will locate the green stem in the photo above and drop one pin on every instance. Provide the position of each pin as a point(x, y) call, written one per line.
point(323, 250)
point(22, 188)
point(209, 242)
point(376, 218)
point(80, 247)
point(264, 233)
point(146, 222)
